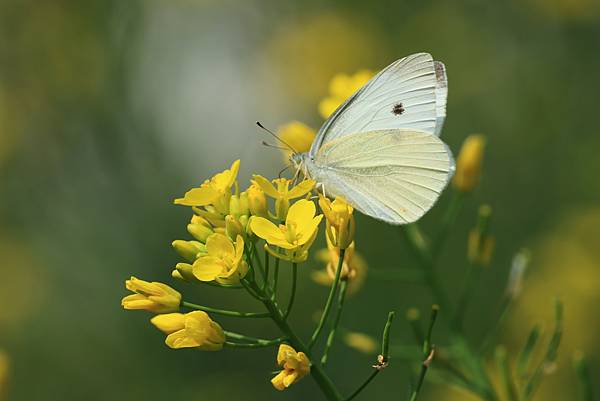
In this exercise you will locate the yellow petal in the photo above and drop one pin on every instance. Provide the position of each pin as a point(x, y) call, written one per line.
point(220, 246)
point(301, 189)
point(180, 339)
point(266, 230)
point(235, 167)
point(169, 322)
point(266, 186)
point(284, 353)
point(198, 197)
point(277, 381)
point(290, 378)
point(207, 268)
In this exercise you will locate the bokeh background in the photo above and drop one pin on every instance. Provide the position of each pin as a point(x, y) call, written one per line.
point(110, 109)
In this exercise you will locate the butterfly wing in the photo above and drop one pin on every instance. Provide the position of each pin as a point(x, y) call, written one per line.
point(393, 175)
point(408, 94)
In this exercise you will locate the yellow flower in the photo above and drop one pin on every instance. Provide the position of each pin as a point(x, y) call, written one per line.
point(257, 201)
point(192, 330)
point(224, 262)
point(340, 221)
point(298, 135)
point(295, 237)
point(360, 342)
point(468, 164)
point(153, 297)
point(295, 366)
point(200, 228)
point(282, 193)
point(354, 268)
point(215, 191)
point(341, 87)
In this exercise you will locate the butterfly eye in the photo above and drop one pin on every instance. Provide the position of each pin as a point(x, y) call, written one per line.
point(398, 109)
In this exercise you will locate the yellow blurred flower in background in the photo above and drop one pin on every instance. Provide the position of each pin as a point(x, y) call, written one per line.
point(295, 366)
point(361, 342)
point(299, 52)
point(341, 87)
point(468, 163)
point(298, 135)
point(223, 262)
point(154, 297)
point(354, 268)
point(192, 330)
point(280, 190)
point(295, 237)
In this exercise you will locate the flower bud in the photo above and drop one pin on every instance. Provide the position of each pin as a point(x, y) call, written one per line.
point(238, 205)
point(153, 297)
point(200, 231)
point(233, 227)
point(184, 270)
point(257, 201)
point(188, 249)
point(468, 164)
point(192, 330)
point(340, 221)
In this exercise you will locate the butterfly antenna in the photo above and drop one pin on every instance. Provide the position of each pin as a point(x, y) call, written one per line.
point(276, 137)
point(270, 145)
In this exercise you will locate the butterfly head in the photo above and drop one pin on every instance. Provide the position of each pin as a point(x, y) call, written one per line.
point(299, 161)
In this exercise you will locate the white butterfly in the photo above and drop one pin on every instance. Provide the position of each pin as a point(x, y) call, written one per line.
point(380, 150)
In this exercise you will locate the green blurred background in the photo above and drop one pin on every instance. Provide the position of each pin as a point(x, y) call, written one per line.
point(110, 109)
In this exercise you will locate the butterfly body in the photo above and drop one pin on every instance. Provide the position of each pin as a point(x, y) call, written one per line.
point(380, 150)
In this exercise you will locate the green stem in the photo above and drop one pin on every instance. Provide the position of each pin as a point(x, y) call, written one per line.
point(266, 282)
point(336, 320)
point(470, 280)
point(448, 221)
point(329, 302)
point(384, 357)
point(253, 340)
point(275, 278)
point(585, 379)
point(224, 312)
point(505, 374)
point(293, 293)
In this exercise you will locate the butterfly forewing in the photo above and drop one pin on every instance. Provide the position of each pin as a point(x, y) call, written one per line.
point(408, 94)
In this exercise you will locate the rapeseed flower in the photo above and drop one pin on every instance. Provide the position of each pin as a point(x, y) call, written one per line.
point(341, 87)
point(191, 330)
point(215, 192)
point(295, 237)
point(223, 262)
point(360, 342)
point(295, 365)
point(153, 297)
point(280, 190)
point(340, 227)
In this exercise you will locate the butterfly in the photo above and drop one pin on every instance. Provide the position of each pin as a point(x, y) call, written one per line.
point(380, 150)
